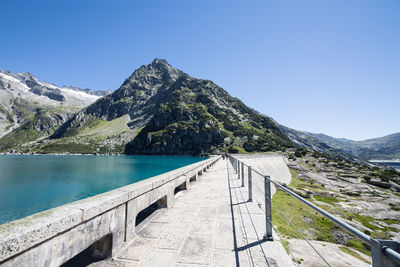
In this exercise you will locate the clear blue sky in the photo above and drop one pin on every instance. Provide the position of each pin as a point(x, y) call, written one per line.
point(321, 66)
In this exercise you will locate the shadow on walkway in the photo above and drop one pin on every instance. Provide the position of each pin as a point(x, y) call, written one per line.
point(233, 217)
point(260, 240)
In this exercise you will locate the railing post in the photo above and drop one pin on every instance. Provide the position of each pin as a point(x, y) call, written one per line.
point(268, 213)
point(238, 171)
point(379, 257)
point(242, 174)
point(249, 178)
point(236, 165)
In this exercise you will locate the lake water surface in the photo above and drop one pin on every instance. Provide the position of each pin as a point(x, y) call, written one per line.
point(34, 183)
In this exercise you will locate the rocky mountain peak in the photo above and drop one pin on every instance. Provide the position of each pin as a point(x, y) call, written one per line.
point(159, 68)
point(145, 81)
point(26, 76)
point(160, 62)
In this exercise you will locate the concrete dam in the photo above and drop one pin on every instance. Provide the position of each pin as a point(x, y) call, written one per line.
point(216, 212)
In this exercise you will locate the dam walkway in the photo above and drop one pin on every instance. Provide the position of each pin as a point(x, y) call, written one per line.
point(210, 224)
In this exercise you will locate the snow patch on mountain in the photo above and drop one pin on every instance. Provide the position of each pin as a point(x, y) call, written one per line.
point(22, 94)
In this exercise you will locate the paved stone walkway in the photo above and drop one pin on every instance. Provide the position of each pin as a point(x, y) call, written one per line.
point(211, 224)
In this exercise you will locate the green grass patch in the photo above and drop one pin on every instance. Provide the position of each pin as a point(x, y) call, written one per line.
point(309, 222)
point(107, 128)
point(329, 200)
point(354, 254)
point(313, 225)
point(293, 172)
point(365, 220)
point(297, 183)
point(388, 221)
point(324, 228)
point(23, 134)
point(359, 245)
point(302, 184)
point(236, 149)
point(68, 148)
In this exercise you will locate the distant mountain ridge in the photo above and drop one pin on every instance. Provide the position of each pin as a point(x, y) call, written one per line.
point(381, 148)
point(31, 109)
point(36, 86)
point(386, 147)
point(307, 140)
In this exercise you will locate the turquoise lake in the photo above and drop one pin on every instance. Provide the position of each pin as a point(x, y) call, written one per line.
point(34, 183)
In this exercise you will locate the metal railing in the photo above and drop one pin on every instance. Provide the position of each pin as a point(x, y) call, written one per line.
point(385, 253)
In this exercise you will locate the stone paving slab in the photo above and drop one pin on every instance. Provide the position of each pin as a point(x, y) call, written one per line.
point(137, 249)
point(153, 230)
point(172, 238)
point(202, 227)
point(196, 249)
point(211, 224)
point(159, 258)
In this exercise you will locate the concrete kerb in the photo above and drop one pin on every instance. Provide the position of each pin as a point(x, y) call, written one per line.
point(19, 237)
point(62, 247)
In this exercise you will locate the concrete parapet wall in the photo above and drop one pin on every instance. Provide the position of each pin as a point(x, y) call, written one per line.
point(52, 237)
point(272, 164)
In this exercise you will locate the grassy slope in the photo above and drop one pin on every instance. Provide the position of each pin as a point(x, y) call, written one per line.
point(87, 139)
point(37, 121)
point(23, 134)
point(106, 128)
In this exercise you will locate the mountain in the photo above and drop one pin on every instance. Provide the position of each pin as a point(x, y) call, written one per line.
point(162, 110)
point(31, 109)
point(345, 139)
point(382, 148)
point(157, 110)
point(387, 147)
point(88, 91)
point(307, 140)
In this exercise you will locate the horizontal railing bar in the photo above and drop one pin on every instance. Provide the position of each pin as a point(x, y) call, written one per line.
point(298, 231)
point(339, 222)
point(394, 255)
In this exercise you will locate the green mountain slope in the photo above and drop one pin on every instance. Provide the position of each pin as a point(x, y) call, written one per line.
point(197, 116)
point(37, 123)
